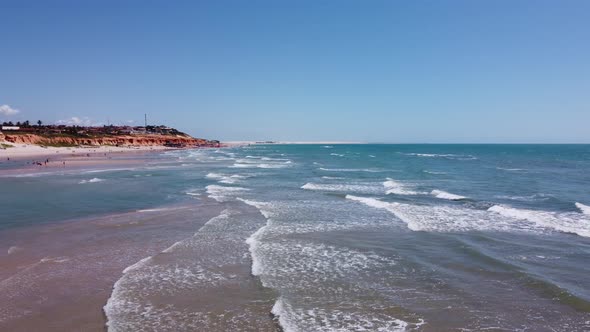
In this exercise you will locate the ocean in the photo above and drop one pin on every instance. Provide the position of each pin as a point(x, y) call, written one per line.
point(368, 237)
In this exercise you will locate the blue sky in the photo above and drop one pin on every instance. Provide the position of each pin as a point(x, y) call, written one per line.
point(376, 71)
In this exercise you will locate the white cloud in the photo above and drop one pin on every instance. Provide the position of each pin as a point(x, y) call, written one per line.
point(7, 110)
point(78, 121)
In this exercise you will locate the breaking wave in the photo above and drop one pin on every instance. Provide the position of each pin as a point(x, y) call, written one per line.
point(93, 180)
point(394, 187)
point(584, 208)
point(441, 218)
point(446, 195)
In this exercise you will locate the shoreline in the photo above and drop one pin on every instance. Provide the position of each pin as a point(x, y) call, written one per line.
point(74, 264)
point(23, 159)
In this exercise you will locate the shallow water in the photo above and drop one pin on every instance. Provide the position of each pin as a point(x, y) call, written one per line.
point(345, 237)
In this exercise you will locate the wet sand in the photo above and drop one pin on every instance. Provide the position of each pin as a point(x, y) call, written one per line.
point(58, 277)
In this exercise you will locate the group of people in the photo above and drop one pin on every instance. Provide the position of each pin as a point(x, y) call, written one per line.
point(42, 163)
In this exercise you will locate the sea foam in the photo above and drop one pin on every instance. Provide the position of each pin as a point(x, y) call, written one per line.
point(446, 195)
point(584, 208)
point(93, 180)
point(397, 188)
point(345, 187)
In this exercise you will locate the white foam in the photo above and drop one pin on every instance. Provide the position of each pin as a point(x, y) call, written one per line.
point(446, 195)
point(341, 187)
point(531, 198)
point(369, 201)
point(14, 249)
point(222, 178)
point(93, 180)
point(394, 187)
point(54, 260)
point(435, 173)
point(563, 222)
point(293, 319)
point(261, 206)
point(253, 243)
point(337, 154)
point(137, 265)
point(263, 165)
point(442, 218)
point(332, 177)
point(444, 155)
point(221, 193)
point(511, 169)
point(584, 208)
point(350, 170)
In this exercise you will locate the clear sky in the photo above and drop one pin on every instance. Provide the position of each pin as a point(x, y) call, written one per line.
point(378, 71)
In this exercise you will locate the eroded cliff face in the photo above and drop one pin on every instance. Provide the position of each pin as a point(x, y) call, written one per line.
point(120, 140)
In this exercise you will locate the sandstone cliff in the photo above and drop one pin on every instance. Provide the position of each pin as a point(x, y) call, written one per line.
point(115, 140)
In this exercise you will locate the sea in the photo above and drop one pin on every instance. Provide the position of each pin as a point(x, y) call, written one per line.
point(364, 237)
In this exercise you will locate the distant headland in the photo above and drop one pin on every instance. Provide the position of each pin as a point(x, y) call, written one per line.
point(120, 136)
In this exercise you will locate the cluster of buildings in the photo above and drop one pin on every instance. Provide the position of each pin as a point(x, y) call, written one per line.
point(89, 131)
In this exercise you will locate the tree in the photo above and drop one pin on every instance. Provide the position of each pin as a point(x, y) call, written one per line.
point(26, 124)
point(39, 123)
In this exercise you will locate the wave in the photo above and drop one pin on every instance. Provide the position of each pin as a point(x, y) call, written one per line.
point(584, 208)
point(293, 319)
point(337, 154)
point(530, 198)
point(93, 180)
point(442, 218)
point(350, 170)
point(253, 241)
point(175, 270)
point(262, 165)
point(562, 222)
point(61, 259)
point(221, 193)
point(512, 169)
point(444, 155)
point(157, 210)
point(446, 195)
point(14, 249)
point(394, 187)
point(261, 206)
point(433, 172)
point(227, 179)
point(332, 177)
point(341, 187)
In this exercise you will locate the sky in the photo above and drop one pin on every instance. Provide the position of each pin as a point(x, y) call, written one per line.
point(370, 71)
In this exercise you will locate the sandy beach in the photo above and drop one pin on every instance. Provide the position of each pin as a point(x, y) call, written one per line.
point(58, 277)
point(28, 158)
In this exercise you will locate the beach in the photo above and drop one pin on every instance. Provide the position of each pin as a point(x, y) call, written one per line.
point(324, 237)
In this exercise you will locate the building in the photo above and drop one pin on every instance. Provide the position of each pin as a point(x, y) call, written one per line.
point(10, 128)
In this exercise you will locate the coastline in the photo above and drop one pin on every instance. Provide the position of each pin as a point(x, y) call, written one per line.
point(34, 159)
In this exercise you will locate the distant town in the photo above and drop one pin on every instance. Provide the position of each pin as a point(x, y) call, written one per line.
point(40, 128)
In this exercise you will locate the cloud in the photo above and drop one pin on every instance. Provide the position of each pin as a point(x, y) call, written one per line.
point(7, 110)
point(78, 121)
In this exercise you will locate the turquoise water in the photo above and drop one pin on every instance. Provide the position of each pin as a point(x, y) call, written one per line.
point(349, 237)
